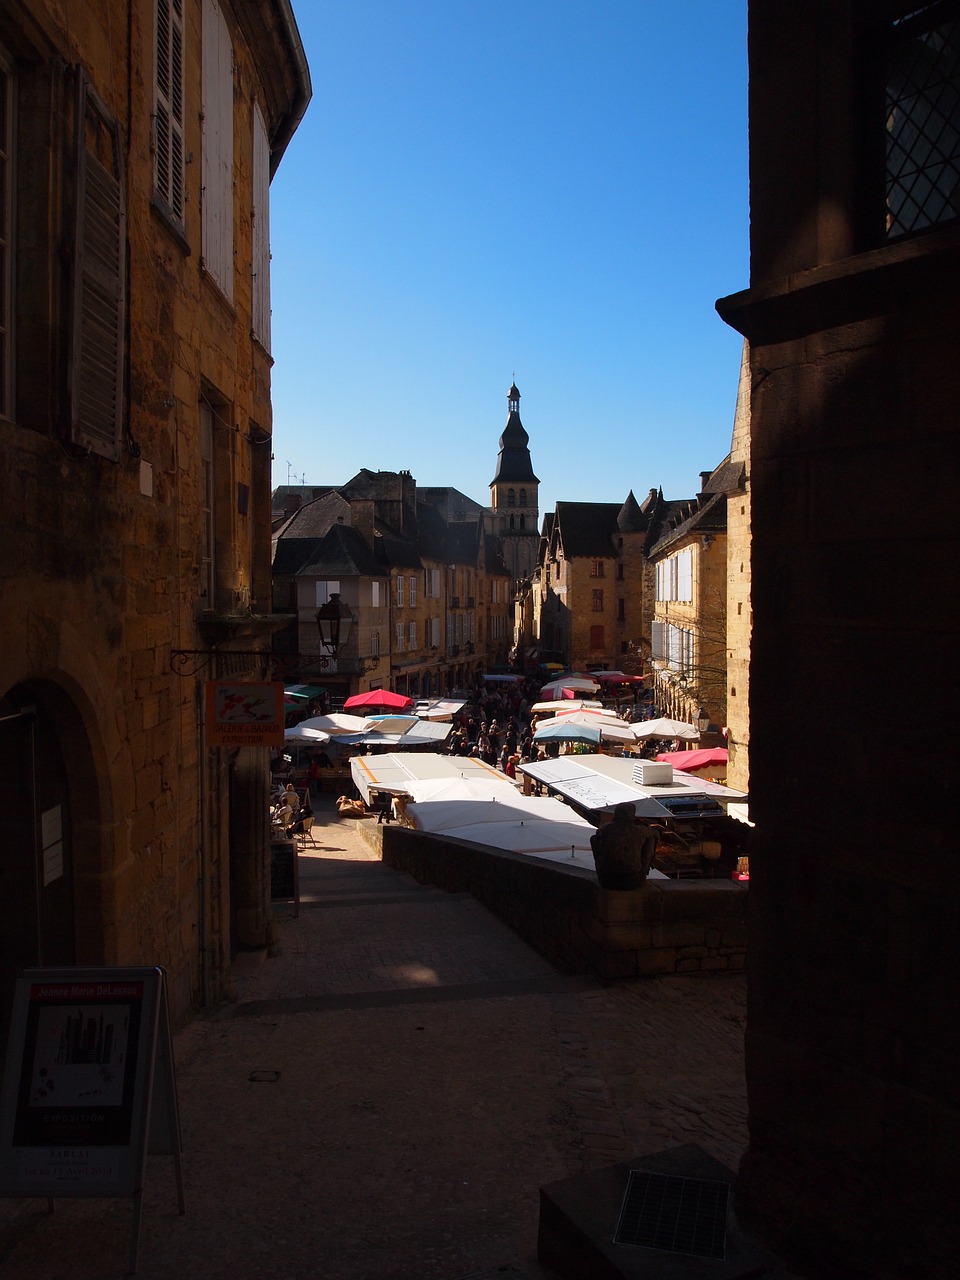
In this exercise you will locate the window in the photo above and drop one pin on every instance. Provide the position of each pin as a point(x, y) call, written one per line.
point(401, 632)
point(325, 588)
point(400, 582)
point(596, 638)
point(511, 498)
point(412, 635)
point(168, 107)
point(597, 597)
point(217, 149)
point(375, 595)
point(658, 643)
point(6, 232)
point(523, 497)
point(621, 608)
point(374, 644)
point(922, 116)
point(261, 230)
point(413, 593)
point(596, 569)
point(685, 575)
point(675, 577)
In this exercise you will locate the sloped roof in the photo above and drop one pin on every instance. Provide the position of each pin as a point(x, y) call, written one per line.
point(493, 561)
point(343, 553)
point(707, 513)
point(630, 518)
point(397, 550)
point(587, 528)
point(451, 503)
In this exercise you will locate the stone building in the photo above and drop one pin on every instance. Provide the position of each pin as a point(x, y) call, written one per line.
point(424, 581)
point(851, 314)
point(138, 144)
point(739, 603)
point(689, 630)
point(594, 590)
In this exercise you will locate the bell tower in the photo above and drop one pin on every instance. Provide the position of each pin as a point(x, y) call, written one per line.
point(514, 495)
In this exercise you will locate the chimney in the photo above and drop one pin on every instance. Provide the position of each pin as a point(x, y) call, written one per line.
point(361, 517)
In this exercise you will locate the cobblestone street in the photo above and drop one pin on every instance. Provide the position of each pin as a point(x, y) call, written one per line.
point(386, 1096)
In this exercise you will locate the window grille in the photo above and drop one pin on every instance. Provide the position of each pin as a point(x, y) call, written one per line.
point(923, 120)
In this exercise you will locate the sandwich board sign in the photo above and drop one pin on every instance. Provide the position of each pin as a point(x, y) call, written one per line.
point(88, 1086)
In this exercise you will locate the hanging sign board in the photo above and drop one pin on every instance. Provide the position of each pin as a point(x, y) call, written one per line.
point(240, 713)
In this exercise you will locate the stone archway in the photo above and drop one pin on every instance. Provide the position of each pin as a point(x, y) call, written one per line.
point(48, 912)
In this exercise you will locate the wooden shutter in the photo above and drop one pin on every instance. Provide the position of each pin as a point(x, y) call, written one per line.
point(168, 117)
point(217, 158)
point(98, 303)
point(261, 230)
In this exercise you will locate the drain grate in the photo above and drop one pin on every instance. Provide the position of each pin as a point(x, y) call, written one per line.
point(675, 1215)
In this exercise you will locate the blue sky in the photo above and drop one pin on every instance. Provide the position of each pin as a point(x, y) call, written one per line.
point(552, 191)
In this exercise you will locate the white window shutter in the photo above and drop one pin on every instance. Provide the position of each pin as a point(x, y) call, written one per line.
point(217, 149)
point(261, 230)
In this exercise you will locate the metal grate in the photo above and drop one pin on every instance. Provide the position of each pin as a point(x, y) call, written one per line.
point(923, 122)
point(674, 1215)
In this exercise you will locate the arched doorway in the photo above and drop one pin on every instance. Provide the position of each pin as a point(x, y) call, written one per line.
point(39, 733)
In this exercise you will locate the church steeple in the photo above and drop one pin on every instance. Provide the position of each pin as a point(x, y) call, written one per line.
point(514, 498)
point(513, 463)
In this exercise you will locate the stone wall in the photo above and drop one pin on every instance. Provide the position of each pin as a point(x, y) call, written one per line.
point(671, 926)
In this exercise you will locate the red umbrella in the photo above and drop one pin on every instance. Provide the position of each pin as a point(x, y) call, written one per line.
point(379, 698)
point(705, 761)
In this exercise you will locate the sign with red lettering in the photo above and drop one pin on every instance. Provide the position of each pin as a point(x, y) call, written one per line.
point(86, 1049)
point(241, 713)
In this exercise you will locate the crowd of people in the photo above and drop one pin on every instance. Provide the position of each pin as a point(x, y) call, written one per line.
point(497, 725)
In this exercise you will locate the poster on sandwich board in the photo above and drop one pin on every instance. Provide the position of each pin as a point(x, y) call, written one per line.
point(88, 1084)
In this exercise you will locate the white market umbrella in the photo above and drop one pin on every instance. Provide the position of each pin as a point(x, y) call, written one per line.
point(565, 704)
point(304, 736)
point(560, 729)
point(577, 683)
point(664, 728)
point(609, 727)
point(586, 709)
point(337, 723)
